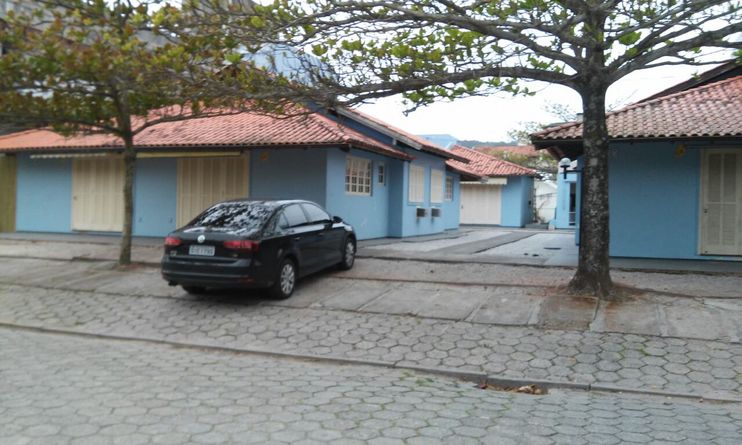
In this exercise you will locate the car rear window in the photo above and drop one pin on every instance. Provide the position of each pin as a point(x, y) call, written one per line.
point(294, 215)
point(233, 215)
point(315, 213)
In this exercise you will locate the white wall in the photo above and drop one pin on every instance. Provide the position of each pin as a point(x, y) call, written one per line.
point(545, 200)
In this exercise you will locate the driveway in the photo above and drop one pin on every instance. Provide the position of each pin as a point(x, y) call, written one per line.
point(499, 245)
point(519, 246)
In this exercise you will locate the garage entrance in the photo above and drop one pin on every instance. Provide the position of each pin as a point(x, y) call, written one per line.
point(98, 194)
point(481, 203)
point(206, 181)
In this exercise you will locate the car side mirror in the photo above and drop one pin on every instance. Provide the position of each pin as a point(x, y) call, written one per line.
point(337, 219)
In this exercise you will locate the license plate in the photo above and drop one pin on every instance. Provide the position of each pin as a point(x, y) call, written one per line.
point(201, 250)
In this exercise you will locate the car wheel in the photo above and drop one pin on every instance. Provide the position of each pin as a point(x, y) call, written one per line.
point(195, 290)
point(285, 281)
point(349, 255)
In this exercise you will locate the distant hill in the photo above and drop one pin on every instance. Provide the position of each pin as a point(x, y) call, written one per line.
point(475, 143)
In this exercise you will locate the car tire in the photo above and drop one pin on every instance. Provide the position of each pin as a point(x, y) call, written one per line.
point(285, 283)
point(349, 255)
point(195, 290)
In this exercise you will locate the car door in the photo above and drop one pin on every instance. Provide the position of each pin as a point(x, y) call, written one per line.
point(330, 238)
point(305, 237)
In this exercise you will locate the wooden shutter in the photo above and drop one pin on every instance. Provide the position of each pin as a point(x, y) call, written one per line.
point(721, 204)
point(98, 194)
point(203, 182)
point(7, 193)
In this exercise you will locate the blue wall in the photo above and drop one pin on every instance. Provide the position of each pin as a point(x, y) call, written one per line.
point(367, 214)
point(155, 196)
point(516, 201)
point(44, 195)
point(289, 174)
point(452, 209)
point(654, 201)
point(411, 224)
point(44, 192)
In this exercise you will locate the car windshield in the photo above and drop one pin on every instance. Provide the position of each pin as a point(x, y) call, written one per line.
point(234, 215)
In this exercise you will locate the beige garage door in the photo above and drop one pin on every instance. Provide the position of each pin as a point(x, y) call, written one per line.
point(206, 181)
point(480, 204)
point(98, 194)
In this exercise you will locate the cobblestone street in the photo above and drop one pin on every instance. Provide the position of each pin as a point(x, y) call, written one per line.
point(708, 369)
point(61, 389)
point(387, 353)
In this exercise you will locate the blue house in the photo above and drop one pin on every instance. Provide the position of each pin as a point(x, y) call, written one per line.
point(675, 172)
point(385, 182)
point(503, 197)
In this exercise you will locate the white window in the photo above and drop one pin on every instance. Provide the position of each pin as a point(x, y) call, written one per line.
point(436, 186)
point(417, 183)
point(382, 174)
point(358, 175)
point(449, 188)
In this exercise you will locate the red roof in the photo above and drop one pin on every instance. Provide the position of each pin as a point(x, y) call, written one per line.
point(243, 130)
point(526, 150)
point(485, 165)
point(711, 110)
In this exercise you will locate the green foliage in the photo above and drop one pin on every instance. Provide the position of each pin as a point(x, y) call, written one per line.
point(440, 50)
point(115, 67)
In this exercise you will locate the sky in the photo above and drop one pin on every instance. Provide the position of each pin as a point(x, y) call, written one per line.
point(490, 118)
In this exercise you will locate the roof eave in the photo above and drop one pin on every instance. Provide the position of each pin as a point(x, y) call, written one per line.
point(400, 137)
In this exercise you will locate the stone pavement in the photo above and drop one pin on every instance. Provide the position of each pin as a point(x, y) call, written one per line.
point(503, 295)
point(66, 390)
point(710, 369)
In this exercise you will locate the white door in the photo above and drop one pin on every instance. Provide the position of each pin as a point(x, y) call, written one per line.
point(721, 202)
point(206, 181)
point(480, 204)
point(98, 194)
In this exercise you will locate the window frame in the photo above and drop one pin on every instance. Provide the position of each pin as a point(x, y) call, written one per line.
point(364, 176)
point(418, 189)
point(381, 173)
point(448, 192)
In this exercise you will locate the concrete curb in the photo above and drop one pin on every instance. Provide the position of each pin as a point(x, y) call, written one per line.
point(81, 259)
point(467, 376)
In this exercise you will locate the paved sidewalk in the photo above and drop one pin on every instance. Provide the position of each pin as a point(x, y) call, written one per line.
point(709, 369)
point(468, 245)
point(367, 289)
point(88, 391)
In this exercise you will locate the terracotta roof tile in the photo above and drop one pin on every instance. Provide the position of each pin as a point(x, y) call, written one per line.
point(710, 110)
point(243, 130)
point(486, 165)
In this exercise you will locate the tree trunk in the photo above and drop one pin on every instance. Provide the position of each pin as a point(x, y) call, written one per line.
point(593, 269)
point(130, 159)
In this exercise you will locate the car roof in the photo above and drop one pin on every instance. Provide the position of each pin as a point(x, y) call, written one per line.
point(275, 203)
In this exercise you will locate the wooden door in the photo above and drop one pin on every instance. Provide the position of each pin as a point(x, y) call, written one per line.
point(7, 193)
point(203, 182)
point(721, 202)
point(98, 194)
point(480, 204)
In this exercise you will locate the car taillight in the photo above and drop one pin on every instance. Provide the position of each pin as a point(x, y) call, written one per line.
point(172, 241)
point(242, 245)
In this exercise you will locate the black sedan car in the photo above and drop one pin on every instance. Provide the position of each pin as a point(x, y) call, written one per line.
point(256, 244)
